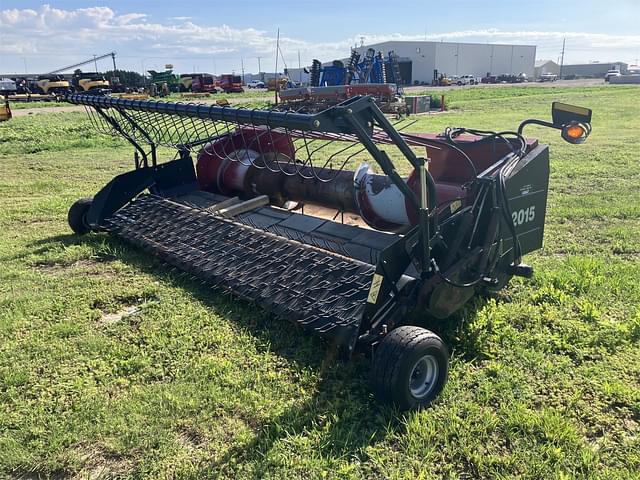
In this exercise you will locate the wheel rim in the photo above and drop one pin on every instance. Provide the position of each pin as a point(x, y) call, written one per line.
point(424, 375)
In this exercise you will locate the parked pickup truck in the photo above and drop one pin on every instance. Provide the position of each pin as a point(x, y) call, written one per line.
point(611, 73)
point(255, 84)
point(467, 80)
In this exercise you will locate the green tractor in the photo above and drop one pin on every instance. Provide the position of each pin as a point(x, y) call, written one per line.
point(166, 82)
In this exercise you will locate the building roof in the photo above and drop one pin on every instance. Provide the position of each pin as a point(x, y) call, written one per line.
point(591, 64)
point(450, 43)
point(542, 63)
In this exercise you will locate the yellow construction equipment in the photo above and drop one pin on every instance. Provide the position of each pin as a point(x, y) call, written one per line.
point(93, 82)
point(52, 85)
point(5, 111)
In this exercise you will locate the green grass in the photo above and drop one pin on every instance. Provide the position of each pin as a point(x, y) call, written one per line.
point(34, 104)
point(254, 98)
point(545, 379)
point(467, 96)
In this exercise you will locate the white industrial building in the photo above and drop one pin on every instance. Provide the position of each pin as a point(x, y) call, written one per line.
point(418, 60)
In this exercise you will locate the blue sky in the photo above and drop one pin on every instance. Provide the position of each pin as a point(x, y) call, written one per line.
point(218, 36)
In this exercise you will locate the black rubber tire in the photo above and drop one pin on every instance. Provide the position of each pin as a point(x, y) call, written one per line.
point(394, 362)
point(77, 216)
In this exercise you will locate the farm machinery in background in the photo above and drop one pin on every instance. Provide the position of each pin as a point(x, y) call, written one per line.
point(164, 83)
point(52, 84)
point(372, 75)
point(5, 110)
point(230, 83)
point(505, 78)
point(252, 199)
point(281, 83)
point(8, 86)
point(90, 82)
point(198, 83)
point(27, 90)
point(206, 83)
point(86, 82)
point(53, 87)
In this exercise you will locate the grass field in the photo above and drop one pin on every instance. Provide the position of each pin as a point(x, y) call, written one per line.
point(111, 365)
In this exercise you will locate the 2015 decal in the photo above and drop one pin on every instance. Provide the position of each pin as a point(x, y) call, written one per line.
point(524, 215)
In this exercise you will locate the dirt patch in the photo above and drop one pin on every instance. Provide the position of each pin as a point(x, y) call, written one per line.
point(99, 464)
point(110, 318)
point(87, 266)
point(55, 267)
point(22, 112)
point(116, 309)
point(189, 439)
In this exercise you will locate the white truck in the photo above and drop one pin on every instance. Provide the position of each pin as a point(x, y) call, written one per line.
point(467, 80)
point(255, 84)
point(611, 73)
point(548, 77)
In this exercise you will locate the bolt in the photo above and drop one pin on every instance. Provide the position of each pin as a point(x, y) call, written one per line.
point(316, 123)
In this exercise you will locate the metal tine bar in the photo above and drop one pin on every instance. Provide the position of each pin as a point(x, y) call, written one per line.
point(196, 127)
point(343, 137)
point(382, 137)
point(308, 162)
point(329, 161)
point(98, 123)
point(292, 161)
point(182, 132)
point(161, 126)
point(177, 133)
point(224, 144)
point(158, 124)
point(307, 148)
point(140, 134)
point(278, 168)
point(328, 142)
point(189, 126)
point(104, 125)
point(203, 129)
point(378, 134)
point(307, 142)
point(212, 112)
point(244, 143)
point(266, 165)
point(344, 163)
point(348, 159)
point(229, 133)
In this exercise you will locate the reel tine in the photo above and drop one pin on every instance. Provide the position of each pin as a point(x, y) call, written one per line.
point(312, 155)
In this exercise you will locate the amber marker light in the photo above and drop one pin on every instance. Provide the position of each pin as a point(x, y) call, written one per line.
point(576, 132)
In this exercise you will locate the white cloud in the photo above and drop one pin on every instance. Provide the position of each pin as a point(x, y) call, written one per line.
point(51, 36)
